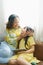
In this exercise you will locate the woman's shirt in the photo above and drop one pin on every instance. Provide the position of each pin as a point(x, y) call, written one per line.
point(11, 36)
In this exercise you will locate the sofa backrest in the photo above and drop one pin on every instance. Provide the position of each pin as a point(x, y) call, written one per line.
point(39, 50)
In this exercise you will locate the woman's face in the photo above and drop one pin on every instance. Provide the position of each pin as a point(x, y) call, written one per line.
point(16, 23)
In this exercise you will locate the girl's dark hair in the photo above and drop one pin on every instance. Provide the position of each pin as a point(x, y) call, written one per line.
point(26, 38)
point(11, 21)
point(29, 29)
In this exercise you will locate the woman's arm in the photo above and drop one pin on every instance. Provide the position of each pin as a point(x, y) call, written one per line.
point(22, 35)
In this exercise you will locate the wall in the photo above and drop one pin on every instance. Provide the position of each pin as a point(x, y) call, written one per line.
point(29, 11)
point(2, 24)
point(41, 21)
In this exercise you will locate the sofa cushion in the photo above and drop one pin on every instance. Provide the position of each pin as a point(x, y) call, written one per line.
point(41, 63)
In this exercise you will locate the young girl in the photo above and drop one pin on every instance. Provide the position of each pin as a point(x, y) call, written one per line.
point(27, 42)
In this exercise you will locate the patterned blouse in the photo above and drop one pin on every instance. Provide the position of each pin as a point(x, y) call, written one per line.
point(11, 36)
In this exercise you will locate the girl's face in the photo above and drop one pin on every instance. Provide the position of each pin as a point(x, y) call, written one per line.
point(16, 23)
point(30, 33)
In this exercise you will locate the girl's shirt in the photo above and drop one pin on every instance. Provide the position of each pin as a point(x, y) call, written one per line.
point(11, 36)
point(27, 56)
point(30, 42)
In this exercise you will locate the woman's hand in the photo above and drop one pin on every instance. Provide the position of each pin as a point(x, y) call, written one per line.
point(23, 34)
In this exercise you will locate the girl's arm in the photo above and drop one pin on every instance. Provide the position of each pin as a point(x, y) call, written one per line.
point(31, 43)
point(31, 50)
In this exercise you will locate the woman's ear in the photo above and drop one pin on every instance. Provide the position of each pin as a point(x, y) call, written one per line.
point(6, 23)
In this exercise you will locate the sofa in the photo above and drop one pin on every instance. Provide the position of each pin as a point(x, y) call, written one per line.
point(38, 52)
